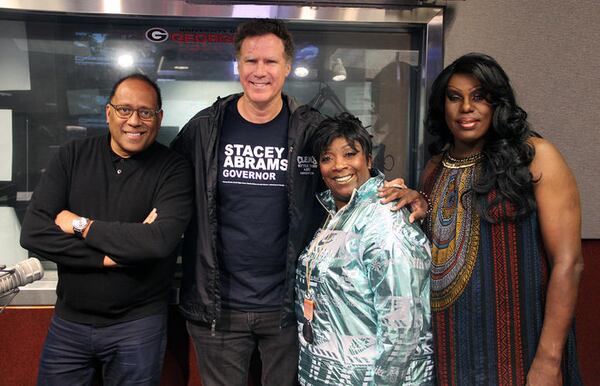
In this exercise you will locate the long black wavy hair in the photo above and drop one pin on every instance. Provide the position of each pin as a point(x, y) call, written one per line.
point(507, 152)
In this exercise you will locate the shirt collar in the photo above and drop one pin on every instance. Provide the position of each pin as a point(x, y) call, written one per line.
point(140, 156)
point(326, 198)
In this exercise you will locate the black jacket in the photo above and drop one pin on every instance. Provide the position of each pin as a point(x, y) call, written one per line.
point(200, 298)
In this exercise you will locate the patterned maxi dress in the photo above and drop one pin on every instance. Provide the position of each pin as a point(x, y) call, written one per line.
point(488, 287)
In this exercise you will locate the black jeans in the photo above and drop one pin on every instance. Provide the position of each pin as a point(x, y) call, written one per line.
point(224, 355)
point(129, 353)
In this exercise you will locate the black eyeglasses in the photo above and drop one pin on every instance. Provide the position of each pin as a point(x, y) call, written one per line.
point(125, 111)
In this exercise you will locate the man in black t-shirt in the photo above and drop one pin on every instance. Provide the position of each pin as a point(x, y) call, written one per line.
point(255, 185)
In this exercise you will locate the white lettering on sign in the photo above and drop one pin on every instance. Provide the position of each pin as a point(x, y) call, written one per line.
point(307, 165)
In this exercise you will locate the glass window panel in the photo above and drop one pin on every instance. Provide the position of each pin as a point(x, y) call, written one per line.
point(55, 87)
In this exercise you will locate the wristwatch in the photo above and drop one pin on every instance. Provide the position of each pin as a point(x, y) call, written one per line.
point(79, 225)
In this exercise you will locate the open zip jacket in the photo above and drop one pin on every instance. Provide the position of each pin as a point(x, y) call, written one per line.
point(369, 280)
point(200, 298)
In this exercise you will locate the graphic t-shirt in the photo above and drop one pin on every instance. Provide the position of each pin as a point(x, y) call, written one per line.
point(253, 211)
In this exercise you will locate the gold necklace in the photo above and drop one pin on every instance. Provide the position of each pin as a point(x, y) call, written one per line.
point(460, 163)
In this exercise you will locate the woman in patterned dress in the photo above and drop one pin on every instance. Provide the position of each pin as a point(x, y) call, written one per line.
point(505, 227)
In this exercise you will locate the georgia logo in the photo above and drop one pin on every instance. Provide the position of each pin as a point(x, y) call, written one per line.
point(157, 35)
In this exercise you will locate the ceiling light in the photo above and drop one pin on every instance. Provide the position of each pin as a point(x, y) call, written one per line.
point(301, 71)
point(338, 71)
point(125, 60)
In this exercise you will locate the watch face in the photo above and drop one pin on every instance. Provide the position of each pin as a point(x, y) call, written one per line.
point(80, 223)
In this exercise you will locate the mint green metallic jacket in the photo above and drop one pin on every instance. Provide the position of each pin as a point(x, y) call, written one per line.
point(369, 279)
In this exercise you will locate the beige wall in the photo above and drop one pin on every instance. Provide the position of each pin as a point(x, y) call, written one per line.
point(551, 51)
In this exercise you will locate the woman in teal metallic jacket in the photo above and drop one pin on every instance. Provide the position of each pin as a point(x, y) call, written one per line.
point(363, 282)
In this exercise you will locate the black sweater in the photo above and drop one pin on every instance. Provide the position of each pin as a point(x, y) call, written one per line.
point(87, 178)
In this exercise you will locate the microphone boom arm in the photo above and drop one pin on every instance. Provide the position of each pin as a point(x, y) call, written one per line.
point(326, 93)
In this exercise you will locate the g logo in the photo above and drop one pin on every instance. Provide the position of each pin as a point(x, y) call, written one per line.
point(157, 35)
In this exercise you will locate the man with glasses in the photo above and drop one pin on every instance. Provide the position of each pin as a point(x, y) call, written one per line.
point(110, 211)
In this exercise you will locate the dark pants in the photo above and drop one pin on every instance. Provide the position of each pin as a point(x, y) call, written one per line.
point(129, 353)
point(224, 356)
